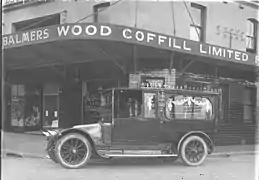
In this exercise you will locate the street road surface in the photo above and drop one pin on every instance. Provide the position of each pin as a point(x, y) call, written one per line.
point(222, 168)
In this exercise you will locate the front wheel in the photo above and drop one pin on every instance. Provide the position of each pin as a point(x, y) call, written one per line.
point(193, 151)
point(73, 151)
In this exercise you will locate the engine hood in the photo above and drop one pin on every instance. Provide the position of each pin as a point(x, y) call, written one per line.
point(94, 130)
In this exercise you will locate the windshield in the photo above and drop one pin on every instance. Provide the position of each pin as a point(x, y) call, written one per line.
point(98, 106)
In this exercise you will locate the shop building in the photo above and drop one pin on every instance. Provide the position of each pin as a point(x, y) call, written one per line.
point(58, 52)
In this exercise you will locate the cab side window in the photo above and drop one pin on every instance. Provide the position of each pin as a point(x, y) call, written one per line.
point(128, 103)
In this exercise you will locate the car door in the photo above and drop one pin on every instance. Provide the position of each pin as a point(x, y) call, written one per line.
point(143, 128)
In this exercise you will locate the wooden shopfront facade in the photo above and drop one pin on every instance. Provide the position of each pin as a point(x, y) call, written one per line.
point(63, 63)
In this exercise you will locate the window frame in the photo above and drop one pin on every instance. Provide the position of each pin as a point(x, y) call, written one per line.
point(254, 37)
point(203, 20)
point(250, 104)
point(143, 104)
point(96, 9)
point(209, 98)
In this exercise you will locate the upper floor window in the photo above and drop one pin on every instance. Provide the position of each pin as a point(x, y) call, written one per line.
point(251, 36)
point(198, 22)
point(98, 8)
point(37, 22)
point(188, 107)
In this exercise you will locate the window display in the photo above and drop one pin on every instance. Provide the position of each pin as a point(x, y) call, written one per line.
point(25, 106)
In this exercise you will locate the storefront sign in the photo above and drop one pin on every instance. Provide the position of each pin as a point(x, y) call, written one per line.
point(153, 82)
point(128, 35)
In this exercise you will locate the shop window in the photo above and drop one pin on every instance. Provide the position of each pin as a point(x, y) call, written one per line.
point(251, 37)
point(198, 22)
point(44, 21)
point(17, 105)
point(25, 106)
point(128, 103)
point(248, 105)
point(97, 10)
point(188, 107)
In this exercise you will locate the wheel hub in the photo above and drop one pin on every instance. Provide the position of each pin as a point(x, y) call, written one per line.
point(74, 150)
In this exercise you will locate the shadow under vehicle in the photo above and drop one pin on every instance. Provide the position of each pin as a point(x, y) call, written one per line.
point(145, 122)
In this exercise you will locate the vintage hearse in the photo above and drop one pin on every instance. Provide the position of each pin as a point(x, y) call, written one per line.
point(142, 122)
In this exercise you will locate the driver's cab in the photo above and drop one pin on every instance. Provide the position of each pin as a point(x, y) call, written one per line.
point(135, 115)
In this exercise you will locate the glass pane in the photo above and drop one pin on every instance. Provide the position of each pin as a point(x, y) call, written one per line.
point(194, 33)
point(248, 112)
point(51, 89)
point(250, 28)
point(196, 16)
point(128, 103)
point(181, 107)
point(149, 105)
point(250, 43)
point(14, 90)
point(32, 106)
point(247, 97)
point(21, 90)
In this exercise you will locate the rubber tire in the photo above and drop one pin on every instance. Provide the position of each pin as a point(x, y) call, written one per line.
point(52, 156)
point(183, 146)
point(64, 139)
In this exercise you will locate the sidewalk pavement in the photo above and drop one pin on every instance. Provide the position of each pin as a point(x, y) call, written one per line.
point(33, 146)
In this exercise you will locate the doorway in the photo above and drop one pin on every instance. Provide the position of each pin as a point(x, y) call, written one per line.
point(50, 105)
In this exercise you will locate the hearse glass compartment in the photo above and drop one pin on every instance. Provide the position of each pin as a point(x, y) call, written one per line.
point(188, 107)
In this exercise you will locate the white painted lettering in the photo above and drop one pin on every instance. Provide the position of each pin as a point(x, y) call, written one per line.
point(33, 35)
point(201, 50)
point(39, 35)
point(11, 40)
point(141, 38)
point(229, 53)
point(105, 31)
point(237, 55)
point(17, 40)
point(92, 32)
point(185, 46)
point(161, 39)
point(150, 37)
point(25, 37)
point(45, 34)
point(76, 30)
point(125, 35)
point(216, 52)
point(170, 42)
point(244, 57)
point(175, 46)
point(63, 30)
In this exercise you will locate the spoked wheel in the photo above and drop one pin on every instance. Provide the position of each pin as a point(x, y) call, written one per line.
point(73, 151)
point(194, 151)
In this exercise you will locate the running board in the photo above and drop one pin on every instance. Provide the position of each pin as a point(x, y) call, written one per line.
point(133, 153)
point(141, 155)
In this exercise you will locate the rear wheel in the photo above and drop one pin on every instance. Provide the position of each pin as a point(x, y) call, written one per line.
point(193, 151)
point(73, 151)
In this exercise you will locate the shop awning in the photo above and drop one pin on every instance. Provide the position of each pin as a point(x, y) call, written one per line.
point(82, 42)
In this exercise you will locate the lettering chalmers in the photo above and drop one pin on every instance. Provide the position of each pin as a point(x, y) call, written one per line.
point(35, 35)
point(127, 34)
